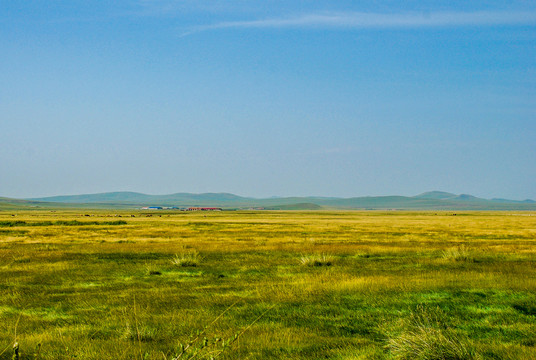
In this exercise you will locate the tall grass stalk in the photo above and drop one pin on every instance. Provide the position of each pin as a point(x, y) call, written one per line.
point(189, 350)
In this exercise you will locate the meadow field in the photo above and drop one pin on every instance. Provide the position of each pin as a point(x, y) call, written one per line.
point(267, 285)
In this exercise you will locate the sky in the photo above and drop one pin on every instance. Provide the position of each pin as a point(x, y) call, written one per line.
point(268, 98)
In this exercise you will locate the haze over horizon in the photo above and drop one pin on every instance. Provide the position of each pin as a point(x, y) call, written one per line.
point(340, 99)
point(426, 193)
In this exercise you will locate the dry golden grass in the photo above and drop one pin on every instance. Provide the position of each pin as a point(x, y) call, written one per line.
point(83, 286)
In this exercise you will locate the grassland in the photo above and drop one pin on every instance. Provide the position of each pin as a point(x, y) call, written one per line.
point(268, 285)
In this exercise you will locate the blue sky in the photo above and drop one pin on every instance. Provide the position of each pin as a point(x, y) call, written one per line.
point(262, 98)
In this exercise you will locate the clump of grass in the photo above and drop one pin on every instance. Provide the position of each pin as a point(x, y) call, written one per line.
point(139, 333)
point(191, 258)
point(317, 260)
point(425, 336)
point(152, 270)
point(525, 308)
point(460, 253)
point(21, 259)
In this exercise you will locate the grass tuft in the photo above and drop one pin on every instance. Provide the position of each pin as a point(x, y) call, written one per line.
point(139, 333)
point(460, 253)
point(152, 270)
point(525, 308)
point(191, 258)
point(316, 260)
point(425, 336)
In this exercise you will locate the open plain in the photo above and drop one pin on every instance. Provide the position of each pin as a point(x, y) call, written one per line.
point(83, 284)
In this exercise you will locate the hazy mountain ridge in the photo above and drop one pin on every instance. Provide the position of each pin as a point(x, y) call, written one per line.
point(433, 200)
point(436, 195)
point(128, 197)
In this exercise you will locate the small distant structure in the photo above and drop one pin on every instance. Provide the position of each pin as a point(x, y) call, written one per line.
point(204, 209)
point(193, 208)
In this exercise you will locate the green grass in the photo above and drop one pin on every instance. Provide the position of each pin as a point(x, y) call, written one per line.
point(292, 285)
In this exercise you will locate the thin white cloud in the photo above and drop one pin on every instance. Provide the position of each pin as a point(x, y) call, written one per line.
point(361, 20)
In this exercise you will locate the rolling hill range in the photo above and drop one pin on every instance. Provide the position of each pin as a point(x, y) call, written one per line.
point(435, 200)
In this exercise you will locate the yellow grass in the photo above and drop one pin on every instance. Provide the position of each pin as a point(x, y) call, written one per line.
point(136, 290)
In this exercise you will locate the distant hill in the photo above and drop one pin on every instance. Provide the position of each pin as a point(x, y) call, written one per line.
point(299, 206)
point(18, 204)
point(433, 200)
point(125, 197)
point(12, 204)
point(527, 201)
point(436, 195)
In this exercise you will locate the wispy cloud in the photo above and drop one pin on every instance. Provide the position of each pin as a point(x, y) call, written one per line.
point(361, 20)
